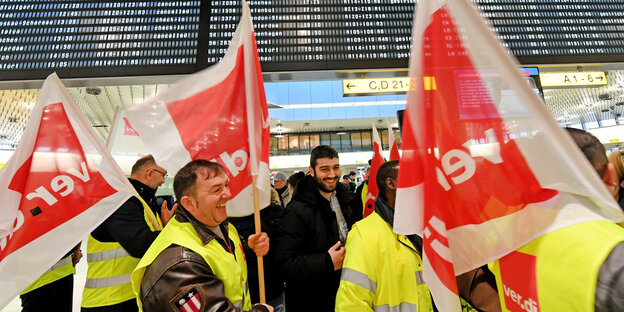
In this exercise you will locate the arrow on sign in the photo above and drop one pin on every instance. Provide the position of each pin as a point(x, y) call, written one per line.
point(349, 85)
point(599, 77)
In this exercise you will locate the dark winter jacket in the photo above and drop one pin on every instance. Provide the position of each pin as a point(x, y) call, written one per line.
point(270, 218)
point(127, 225)
point(309, 229)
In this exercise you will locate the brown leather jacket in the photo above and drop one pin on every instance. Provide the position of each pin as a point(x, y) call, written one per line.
point(178, 274)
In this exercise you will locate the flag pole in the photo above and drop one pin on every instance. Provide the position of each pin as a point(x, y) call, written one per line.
point(112, 128)
point(258, 230)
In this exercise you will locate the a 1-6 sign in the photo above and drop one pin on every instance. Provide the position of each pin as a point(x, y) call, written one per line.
point(565, 79)
point(375, 85)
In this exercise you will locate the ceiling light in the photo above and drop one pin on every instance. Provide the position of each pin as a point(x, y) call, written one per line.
point(341, 131)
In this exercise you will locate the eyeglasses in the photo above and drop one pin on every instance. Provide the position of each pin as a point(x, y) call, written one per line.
point(163, 173)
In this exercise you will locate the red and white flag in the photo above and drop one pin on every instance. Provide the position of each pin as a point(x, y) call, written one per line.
point(217, 114)
point(57, 187)
point(488, 168)
point(377, 161)
point(123, 140)
point(394, 149)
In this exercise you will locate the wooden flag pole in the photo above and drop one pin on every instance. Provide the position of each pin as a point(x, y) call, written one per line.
point(258, 230)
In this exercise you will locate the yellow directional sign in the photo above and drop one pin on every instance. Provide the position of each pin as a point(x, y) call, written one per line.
point(375, 85)
point(573, 79)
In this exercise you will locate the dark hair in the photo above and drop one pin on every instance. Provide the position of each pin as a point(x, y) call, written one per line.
point(322, 151)
point(142, 162)
point(352, 173)
point(186, 178)
point(389, 169)
point(295, 177)
point(592, 148)
point(346, 176)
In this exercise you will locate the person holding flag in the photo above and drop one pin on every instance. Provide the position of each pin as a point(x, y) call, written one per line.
point(115, 247)
point(197, 263)
point(379, 265)
point(485, 175)
point(219, 114)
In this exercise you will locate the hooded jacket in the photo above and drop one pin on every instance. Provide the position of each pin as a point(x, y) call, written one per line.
point(309, 229)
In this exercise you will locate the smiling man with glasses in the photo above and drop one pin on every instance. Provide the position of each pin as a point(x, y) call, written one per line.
point(116, 246)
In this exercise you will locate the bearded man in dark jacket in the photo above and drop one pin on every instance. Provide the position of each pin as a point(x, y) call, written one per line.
point(314, 230)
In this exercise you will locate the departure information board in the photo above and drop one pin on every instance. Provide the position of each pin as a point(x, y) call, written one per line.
point(97, 38)
point(91, 38)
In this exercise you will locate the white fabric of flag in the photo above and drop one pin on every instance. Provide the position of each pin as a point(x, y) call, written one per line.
point(59, 185)
point(218, 114)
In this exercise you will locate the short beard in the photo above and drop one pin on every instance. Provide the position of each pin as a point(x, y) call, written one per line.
point(320, 185)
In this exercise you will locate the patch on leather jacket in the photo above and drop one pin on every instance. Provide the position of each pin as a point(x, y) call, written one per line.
point(189, 301)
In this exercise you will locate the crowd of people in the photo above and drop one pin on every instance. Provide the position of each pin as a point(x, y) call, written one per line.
point(319, 253)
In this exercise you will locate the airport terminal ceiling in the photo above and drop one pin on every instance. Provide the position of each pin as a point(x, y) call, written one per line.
point(569, 106)
point(118, 53)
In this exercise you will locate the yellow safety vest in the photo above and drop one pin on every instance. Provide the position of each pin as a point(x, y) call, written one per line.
point(363, 196)
point(230, 268)
point(109, 270)
point(382, 271)
point(62, 268)
point(557, 271)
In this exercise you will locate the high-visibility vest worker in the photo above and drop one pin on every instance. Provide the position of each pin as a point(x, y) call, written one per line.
point(382, 271)
point(62, 268)
point(557, 271)
point(363, 196)
point(54, 288)
point(109, 270)
point(230, 268)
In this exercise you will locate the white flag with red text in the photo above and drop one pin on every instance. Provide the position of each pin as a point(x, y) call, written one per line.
point(376, 162)
point(57, 187)
point(218, 114)
point(394, 148)
point(485, 168)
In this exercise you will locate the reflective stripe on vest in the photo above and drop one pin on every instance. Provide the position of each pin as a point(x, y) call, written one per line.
point(65, 261)
point(230, 268)
point(419, 278)
point(403, 307)
point(61, 269)
point(108, 281)
point(107, 255)
point(110, 268)
point(381, 271)
point(358, 278)
point(531, 277)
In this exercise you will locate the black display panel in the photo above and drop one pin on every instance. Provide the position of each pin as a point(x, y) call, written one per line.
point(319, 34)
point(95, 38)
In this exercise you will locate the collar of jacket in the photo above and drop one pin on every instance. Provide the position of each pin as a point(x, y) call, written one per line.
point(307, 191)
point(282, 190)
point(146, 192)
point(383, 209)
point(204, 233)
